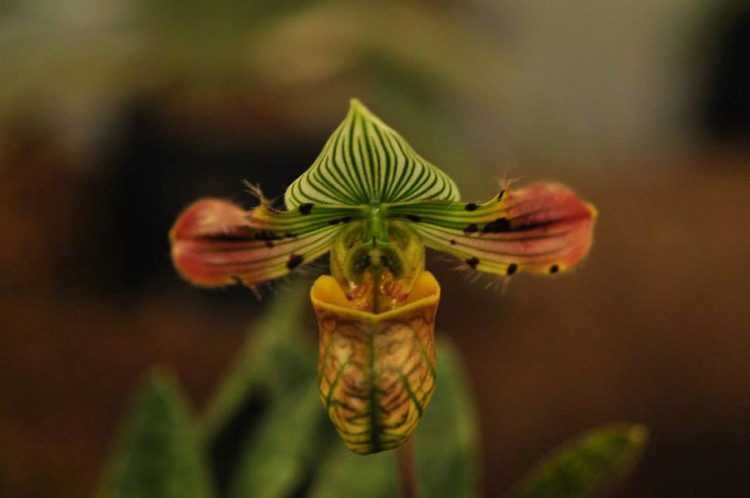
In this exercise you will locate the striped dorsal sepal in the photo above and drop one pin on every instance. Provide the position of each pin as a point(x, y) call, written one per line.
point(366, 162)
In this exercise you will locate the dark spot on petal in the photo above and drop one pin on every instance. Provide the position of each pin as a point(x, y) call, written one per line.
point(265, 235)
point(414, 218)
point(305, 208)
point(345, 219)
point(498, 226)
point(471, 228)
point(269, 244)
point(289, 234)
point(472, 206)
point(224, 237)
point(294, 261)
point(500, 195)
point(511, 269)
point(554, 269)
point(472, 262)
point(453, 242)
point(237, 280)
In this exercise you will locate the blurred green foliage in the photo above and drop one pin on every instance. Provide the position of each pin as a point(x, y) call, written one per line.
point(276, 359)
point(586, 465)
point(279, 458)
point(158, 455)
point(265, 434)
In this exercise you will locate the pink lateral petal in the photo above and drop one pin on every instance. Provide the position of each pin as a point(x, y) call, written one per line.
point(544, 228)
point(216, 243)
point(203, 230)
point(552, 223)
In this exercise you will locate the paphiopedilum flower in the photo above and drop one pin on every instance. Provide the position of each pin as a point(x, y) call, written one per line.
point(372, 202)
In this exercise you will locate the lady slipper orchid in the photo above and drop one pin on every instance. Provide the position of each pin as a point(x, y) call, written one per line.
point(372, 202)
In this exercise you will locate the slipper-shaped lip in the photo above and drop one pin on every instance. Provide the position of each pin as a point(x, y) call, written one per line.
point(326, 293)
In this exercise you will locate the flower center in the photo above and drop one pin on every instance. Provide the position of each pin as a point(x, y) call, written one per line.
point(376, 261)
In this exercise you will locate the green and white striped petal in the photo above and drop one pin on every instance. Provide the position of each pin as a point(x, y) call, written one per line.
point(545, 228)
point(366, 162)
point(303, 219)
point(216, 243)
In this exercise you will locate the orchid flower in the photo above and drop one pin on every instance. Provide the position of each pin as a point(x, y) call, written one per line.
point(372, 202)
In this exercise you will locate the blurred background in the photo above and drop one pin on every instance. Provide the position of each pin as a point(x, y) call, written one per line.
point(115, 114)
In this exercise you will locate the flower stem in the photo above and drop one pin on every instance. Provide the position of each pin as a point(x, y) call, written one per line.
point(406, 470)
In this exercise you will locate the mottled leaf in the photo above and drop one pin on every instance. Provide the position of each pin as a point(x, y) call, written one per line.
point(587, 464)
point(277, 460)
point(158, 455)
point(345, 474)
point(276, 357)
point(366, 162)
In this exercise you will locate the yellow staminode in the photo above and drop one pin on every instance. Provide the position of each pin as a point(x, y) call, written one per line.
point(327, 292)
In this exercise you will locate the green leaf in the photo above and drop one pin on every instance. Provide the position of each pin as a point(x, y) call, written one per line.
point(345, 474)
point(275, 361)
point(158, 455)
point(446, 444)
point(367, 162)
point(587, 464)
point(276, 357)
point(280, 457)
